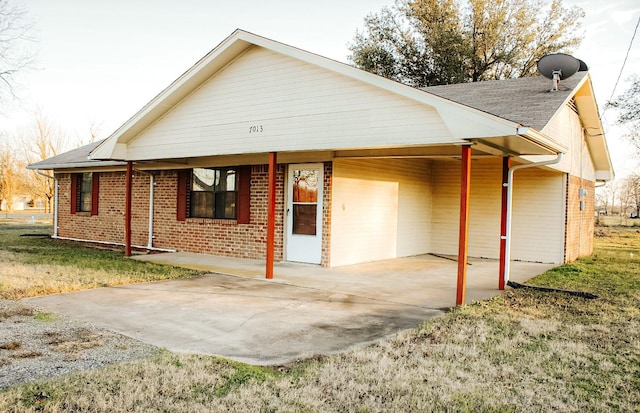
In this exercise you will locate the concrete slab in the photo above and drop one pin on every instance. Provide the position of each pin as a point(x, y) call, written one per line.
point(305, 310)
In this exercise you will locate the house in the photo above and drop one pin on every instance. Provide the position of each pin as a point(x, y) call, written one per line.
point(262, 150)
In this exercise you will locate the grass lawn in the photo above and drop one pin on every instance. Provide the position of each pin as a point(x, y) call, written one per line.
point(32, 264)
point(523, 351)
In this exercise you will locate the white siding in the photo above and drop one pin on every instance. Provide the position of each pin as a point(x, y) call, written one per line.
point(380, 209)
point(565, 127)
point(293, 105)
point(484, 214)
point(538, 217)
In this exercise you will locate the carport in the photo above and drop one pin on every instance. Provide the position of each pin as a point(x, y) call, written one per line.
point(304, 310)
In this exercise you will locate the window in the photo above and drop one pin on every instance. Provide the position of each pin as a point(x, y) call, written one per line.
point(85, 193)
point(214, 193)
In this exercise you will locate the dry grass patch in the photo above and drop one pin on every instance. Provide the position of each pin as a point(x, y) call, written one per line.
point(523, 351)
point(26, 355)
point(74, 342)
point(11, 345)
point(32, 266)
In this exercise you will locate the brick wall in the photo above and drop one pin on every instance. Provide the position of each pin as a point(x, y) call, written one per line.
point(217, 236)
point(579, 223)
point(209, 236)
point(326, 215)
point(108, 225)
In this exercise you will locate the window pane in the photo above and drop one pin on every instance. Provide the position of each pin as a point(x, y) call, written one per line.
point(213, 193)
point(226, 180)
point(202, 204)
point(87, 181)
point(304, 219)
point(225, 205)
point(85, 202)
point(203, 179)
point(305, 186)
point(85, 191)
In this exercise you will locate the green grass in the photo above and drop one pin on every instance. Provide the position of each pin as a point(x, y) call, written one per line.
point(522, 351)
point(38, 265)
point(47, 317)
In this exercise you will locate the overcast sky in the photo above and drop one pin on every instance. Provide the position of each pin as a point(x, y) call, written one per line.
point(101, 61)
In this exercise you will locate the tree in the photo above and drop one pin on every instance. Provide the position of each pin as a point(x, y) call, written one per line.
point(628, 106)
point(631, 195)
point(15, 53)
point(11, 176)
point(41, 141)
point(433, 42)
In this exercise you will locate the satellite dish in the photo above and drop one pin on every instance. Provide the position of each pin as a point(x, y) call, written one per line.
point(583, 66)
point(558, 66)
point(559, 62)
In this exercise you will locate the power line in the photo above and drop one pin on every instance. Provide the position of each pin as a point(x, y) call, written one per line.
point(624, 63)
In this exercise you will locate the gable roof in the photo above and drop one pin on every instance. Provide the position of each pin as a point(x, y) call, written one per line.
point(529, 101)
point(526, 100)
point(75, 158)
point(477, 124)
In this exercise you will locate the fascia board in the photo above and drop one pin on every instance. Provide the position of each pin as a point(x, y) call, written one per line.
point(74, 165)
point(542, 139)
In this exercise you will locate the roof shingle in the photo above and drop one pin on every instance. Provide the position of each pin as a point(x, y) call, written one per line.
point(526, 100)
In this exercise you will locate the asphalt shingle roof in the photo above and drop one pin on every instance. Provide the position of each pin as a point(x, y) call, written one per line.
point(75, 158)
point(526, 100)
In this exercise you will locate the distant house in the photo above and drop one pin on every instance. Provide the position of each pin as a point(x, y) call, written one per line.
point(363, 168)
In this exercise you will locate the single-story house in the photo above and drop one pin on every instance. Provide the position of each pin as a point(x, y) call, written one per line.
point(263, 150)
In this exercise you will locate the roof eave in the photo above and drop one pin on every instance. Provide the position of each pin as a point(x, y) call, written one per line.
point(541, 139)
point(74, 165)
point(594, 130)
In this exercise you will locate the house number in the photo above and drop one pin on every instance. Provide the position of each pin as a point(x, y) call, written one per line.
point(256, 129)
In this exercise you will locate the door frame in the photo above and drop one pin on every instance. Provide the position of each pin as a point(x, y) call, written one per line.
point(288, 214)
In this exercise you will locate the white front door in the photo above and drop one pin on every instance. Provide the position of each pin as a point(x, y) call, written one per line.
point(304, 213)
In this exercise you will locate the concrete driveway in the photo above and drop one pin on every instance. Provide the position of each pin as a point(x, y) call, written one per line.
point(304, 311)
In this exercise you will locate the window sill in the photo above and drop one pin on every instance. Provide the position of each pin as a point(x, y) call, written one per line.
point(83, 214)
point(213, 221)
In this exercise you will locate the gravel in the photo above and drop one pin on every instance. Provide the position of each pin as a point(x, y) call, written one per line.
point(36, 344)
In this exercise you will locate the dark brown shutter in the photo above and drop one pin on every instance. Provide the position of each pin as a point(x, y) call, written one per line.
point(74, 193)
point(244, 194)
point(95, 192)
point(183, 189)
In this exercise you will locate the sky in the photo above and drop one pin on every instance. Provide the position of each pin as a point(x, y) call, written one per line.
point(99, 62)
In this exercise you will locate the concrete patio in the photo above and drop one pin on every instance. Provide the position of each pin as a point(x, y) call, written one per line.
point(305, 310)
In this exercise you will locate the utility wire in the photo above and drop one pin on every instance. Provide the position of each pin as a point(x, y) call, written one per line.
point(623, 64)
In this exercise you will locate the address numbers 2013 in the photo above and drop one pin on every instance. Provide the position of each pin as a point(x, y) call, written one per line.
point(256, 129)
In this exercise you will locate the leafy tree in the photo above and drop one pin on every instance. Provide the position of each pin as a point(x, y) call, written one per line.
point(15, 53)
point(628, 105)
point(433, 42)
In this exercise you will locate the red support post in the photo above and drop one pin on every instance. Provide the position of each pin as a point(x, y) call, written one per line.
point(271, 214)
point(463, 242)
point(127, 211)
point(506, 164)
